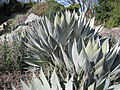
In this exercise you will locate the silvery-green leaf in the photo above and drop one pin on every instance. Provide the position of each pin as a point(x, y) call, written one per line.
point(116, 70)
point(13, 88)
point(57, 61)
point(98, 66)
point(81, 57)
point(114, 87)
point(57, 20)
point(75, 54)
point(92, 22)
point(55, 84)
point(107, 83)
point(52, 42)
point(111, 58)
point(105, 47)
point(67, 61)
point(68, 16)
point(100, 83)
point(92, 87)
point(45, 83)
point(86, 65)
point(97, 56)
point(69, 84)
point(36, 83)
point(89, 49)
point(98, 29)
point(24, 86)
point(49, 26)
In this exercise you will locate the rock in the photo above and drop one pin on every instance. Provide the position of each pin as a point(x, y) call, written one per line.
point(31, 17)
point(113, 32)
point(2, 28)
point(104, 32)
point(3, 25)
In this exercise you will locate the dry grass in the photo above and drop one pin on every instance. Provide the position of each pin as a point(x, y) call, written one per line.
point(7, 78)
point(39, 8)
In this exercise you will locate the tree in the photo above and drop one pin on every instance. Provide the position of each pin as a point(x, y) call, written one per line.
point(108, 12)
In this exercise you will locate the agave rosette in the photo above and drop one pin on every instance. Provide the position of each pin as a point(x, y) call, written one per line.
point(45, 36)
point(71, 44)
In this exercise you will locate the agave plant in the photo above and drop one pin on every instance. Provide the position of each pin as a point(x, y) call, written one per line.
point(71, 82)
point(46, 35)
point(71, 45)
point(82, 71)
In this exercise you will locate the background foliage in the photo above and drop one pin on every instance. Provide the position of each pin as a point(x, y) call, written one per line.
point(108, 12)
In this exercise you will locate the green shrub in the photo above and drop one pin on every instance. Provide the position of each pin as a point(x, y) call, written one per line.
point(108, 12)
point(11, 54)
point(45, 8)
point(74, 7)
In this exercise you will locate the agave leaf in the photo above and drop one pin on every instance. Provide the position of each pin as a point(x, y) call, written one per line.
point(116, 62)
point(101, 67)
point(44, 27)
point(82, 56)
point(99, 64)
point(69, 48)
point(92, 87)
point(80, 26)
point(45, 83)
point(35, 44)
point(86, 65)
point(62, 18)
point(67, 61)
point(75, 55)
point(13, 88)
point(111, 58)
point(36, 83)
point(80, 44)
point(105, 47)
point(92, 22)
point(61, 35)
point(114, 87)
point(98, 29)
point(68, 16)
point(69, 84)
point(100, 83)
point(55, 84)
point(49, 26)
point(31, 63)
point(89, 49)
point(86, 29)
point(24, 86)
point(95, 46)
point(57, 61)
point(34, 48)
point(52, 42)
point(57, 20)
point(107, 83)
point(96, 56)
point(116, 70)
point(46, 46)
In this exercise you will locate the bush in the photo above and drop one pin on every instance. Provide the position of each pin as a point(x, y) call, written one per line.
point(74, 7)
point(13, 7)
point(46, 8)
point(11, 54)
point(108, 13)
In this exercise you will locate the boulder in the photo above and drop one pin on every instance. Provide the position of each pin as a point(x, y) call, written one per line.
point(113, 32)
point(31, 18)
